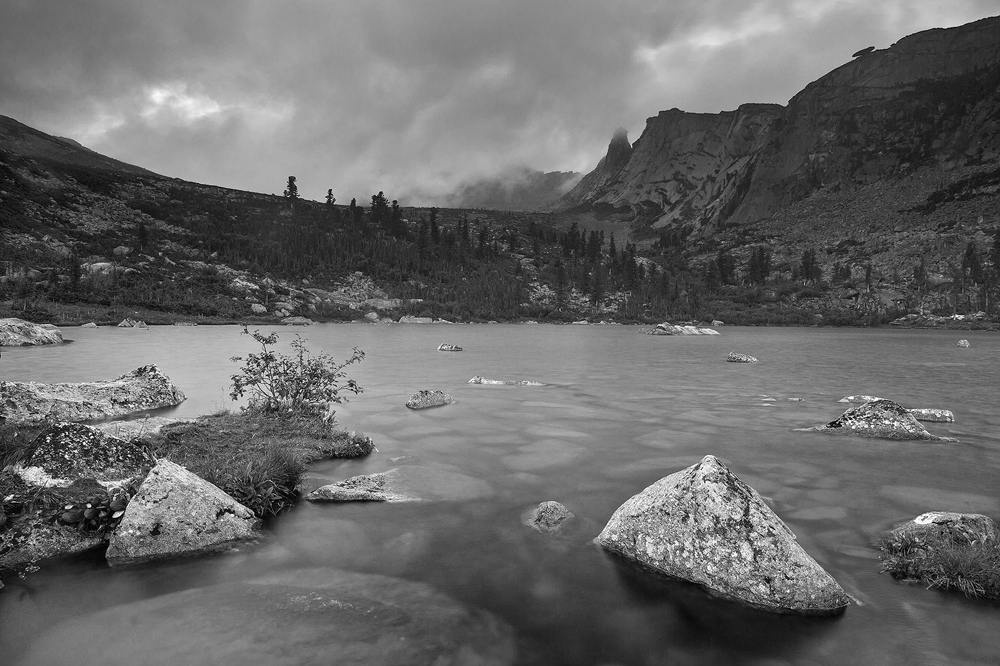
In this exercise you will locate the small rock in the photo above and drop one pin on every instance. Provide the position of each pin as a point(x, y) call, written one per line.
point(128, 322)
point(547, 517)
point(425, 399)
point(372, 316)
point(859, 398)
point(504, 382)
point(933, 415)
point(409, 483)
point(89, 324)
point(879, 418)
point(297, 321)
point(257, 308)
point(410, 319)
point(740, 358)
point(948, 526)
point(964, 343)
point(444, 346)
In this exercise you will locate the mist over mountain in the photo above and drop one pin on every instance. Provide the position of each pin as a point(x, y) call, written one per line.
point(521, 189)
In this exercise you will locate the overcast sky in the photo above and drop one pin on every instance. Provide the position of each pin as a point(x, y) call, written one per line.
point(411, 96)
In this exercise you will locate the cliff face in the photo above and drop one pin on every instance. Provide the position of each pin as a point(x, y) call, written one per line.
point(931, 100)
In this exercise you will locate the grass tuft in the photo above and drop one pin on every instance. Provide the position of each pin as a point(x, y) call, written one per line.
point(956, 563)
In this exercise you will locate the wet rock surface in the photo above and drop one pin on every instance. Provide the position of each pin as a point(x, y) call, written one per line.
point(933, 415)
point(426, 399)
point(174, 513)
point(503, 382)
point(409, 483)
point(547, 517)
point(704, 525)
point(305, 616)
point(879, 418)
point(31, 402)
point(16, 332)
point(740, 358)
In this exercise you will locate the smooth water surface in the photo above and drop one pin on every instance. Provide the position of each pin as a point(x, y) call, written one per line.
point(619, 410)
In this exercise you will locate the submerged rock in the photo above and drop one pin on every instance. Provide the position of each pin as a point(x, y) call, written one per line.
point(176, 512)
point(704, 525)
point(304, 616)
point(504, 382)
point(444, 346)
point(409, 483)
point(547, 517)
point(933, 415)
point(859, 398)
point(36, 537)
point(964, 343)
point(143, 388)
point(20, 333)
point(740, 358)
point(425, 399)
point(878, 418)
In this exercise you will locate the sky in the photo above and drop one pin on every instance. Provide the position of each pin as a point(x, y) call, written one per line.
point(411, 97)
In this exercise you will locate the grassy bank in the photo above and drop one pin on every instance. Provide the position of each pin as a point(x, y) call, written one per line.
point(969, 566)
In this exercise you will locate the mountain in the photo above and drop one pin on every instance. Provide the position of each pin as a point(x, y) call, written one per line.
point(926, 107)
point(520, 189)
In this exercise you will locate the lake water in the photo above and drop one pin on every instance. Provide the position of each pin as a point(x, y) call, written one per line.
point(619, 410)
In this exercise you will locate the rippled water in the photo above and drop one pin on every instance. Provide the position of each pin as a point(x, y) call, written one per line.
point(619, 411)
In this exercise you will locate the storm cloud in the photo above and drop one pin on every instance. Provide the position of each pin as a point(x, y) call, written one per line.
point(412, 97)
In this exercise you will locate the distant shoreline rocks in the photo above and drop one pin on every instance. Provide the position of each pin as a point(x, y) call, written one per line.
point(883, 419)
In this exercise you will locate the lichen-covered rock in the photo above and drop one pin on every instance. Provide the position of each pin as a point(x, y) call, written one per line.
point(933, 415)
point(964, 343)
point(503, 382)
point(425, 399)
point(20, 333)
point(547, 517)
point(409, 483)
point(740, 358)
point(704, 525)
point(878, 418)
point(859, 399)
point(36, 538)
point(31, 402)
point(444, 346)
point(175, 512)
point(936, 527)
point(289, 618)
point(66, 452)
point(137, 428)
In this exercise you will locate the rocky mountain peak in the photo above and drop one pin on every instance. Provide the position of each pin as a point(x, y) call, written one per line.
point(619, 150)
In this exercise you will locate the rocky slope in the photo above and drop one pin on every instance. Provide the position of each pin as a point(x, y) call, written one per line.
point(929, 103)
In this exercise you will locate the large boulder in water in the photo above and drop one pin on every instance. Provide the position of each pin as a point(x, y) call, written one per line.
point(26, 403)
point(306, 616)
point(878, 418)
point(176, 512)
point(704, 525)
point(20, 333)
point(425, 399)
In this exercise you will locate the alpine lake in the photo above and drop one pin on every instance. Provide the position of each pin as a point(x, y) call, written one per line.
point(467, 581)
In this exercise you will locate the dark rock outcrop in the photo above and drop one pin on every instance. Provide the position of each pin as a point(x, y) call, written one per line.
point(878, 418)
point(547, 517)
point(291, 618)
point(20, 333)
point(426, 399)
point(175, 513)
point(704, 525)
point(31, 402)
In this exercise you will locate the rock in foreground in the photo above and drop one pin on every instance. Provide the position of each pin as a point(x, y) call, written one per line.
point(176, 512)
point(66, 452)
point(306, 616)
point(25, 403)
point(879, 418)
point(503, 382)
point(20, 333)
point(704, 525)
point(740, 358)
point(425, 399)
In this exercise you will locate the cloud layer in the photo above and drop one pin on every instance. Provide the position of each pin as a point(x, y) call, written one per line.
point(412, 97)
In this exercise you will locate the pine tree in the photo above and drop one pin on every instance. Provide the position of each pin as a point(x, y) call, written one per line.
point(291, 192)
